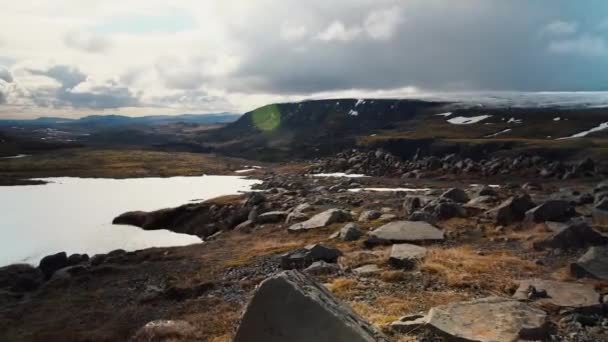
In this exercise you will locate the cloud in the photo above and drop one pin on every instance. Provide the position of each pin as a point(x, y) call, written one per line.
point(5, 75)
point(291, 33)
point(336, 31)
point(2, 98)
point(86, 41)
point(560, 28)
point(68, 76)
point(383, 24)
point(585, 45)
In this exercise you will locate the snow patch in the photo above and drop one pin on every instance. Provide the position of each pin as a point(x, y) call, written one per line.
point(497, 133)
point(557, 118)
point(359, 102)
point(17, 156)
point(461, 120)
point(445, 115)
point(339, 174)
point(390, 189)
point(601, 127)
point(244, 171)
point(514, 120)
point(353, 112)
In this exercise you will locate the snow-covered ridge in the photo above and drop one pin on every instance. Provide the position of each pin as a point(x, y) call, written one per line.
point(498, 133)
point(601, 127)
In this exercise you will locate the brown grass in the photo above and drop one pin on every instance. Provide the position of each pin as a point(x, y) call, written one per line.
point(462, 267)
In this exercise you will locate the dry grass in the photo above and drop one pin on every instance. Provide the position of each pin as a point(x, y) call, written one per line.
point(343, 286)
point(462, 267)
point(393, 276)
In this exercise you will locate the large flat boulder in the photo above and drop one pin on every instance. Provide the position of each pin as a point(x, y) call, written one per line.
point(575, 234)
point(405, 231)
point(292, 307)
point(558, 293)
point(321, 220)
point(492, 319)
point(271, 217)
point(593, 264)
point(406, 255)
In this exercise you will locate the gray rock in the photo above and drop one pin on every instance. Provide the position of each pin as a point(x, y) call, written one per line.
point(490, 319)
point(322, 220)
point(456, 195)
point(387, 217)
point(575, 234)
point(304, 257)
point(600, 217)
point(405, 231)
point(166, 330)
point(271, 217)
point(413, 203)
point(350, 232)
point(20, 277)
point(295, 217)
point(487, 191)
point(559, 294)
point(367, 270)
point(551, 210)
point(292, 307)
point(406, 255)
point(593, 264)
point(512, 210)
point(447, 210)
point(51, 263)
point(481, 202)
point(322, 268)
point(244, 227)
point(369, 215)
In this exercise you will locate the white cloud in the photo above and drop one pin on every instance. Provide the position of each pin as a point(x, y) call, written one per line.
point(560, 27)
point(336, 31)
point(383, 24)
point(292, 33)
point(585, 45)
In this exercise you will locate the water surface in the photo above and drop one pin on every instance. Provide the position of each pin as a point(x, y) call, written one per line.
point(75, 214)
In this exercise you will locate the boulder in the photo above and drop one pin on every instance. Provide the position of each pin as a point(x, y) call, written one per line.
point(490, 319)
point(322, 220)
point(405, 231)
point(600, 217)
point(369, 215)
point(166, 330)
point(51, 263)
point(271, 217)
point(448, 209)
point(551, 210)
point(322, 268)
point(304, 257)
point(487, 191)
point(20, 278)
point(76, 259)
point(483, 202)
point(387, 217)
point(367, 270)
point(456, 195)
point(575, 234)
point(593, 264)
point(512, 210)
point(406, 255)
point(560, 294)
point(413, 203)
point(292, 307)
point(350, 232)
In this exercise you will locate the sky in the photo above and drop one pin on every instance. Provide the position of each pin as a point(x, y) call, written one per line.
point(73, 58)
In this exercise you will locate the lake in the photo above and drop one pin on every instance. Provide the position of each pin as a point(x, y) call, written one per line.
point(75, 214)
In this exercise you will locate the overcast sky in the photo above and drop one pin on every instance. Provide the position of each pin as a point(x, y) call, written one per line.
point(76, 57)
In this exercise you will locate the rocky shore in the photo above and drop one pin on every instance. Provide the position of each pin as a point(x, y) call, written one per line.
point(433, 248)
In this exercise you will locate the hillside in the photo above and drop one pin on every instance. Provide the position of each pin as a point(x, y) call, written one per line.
point(323, 127)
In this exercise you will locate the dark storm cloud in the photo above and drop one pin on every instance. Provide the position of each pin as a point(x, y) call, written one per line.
point(460, 45)
point(109, 95)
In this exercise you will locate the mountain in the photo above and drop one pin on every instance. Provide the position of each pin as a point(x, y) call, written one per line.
point(121, 120)
point(322, 127)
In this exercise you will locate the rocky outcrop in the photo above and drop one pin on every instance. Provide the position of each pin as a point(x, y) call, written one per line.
point(559, 294)
point(489, 319)
point(593, 264)
point(512, 210)
point(292, 307)
point(304, 257)
point(20, 278)
point(51, 263)
point(321, 220)
point(405, 231)
point(406, 255)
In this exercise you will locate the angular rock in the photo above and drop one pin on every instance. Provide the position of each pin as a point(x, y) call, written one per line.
point(76, 259)
point(487, 191)
point(271, 217)
point(406, 255)
point(51, 263)
point(387, 217)
point(558, 293)
point(322, 268)
point(292, 307)
point(551, 210)
point(593, 264)
point(447, 210)
point(512, 210)
point(296, 216)
point(575, 234)
point(483, 202)
point(350, 232)
point(456, 195)
point(413, 203)
point(405, 231)
point(166, 330)
point(367, 270)
point(20, 278)
point(369, 215)
point(490, 319)
point(322, 220)
point(600, 217)
point(304, 257)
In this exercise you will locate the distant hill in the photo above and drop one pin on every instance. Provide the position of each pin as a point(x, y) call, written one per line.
point(121, 120)
point(315, 128)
